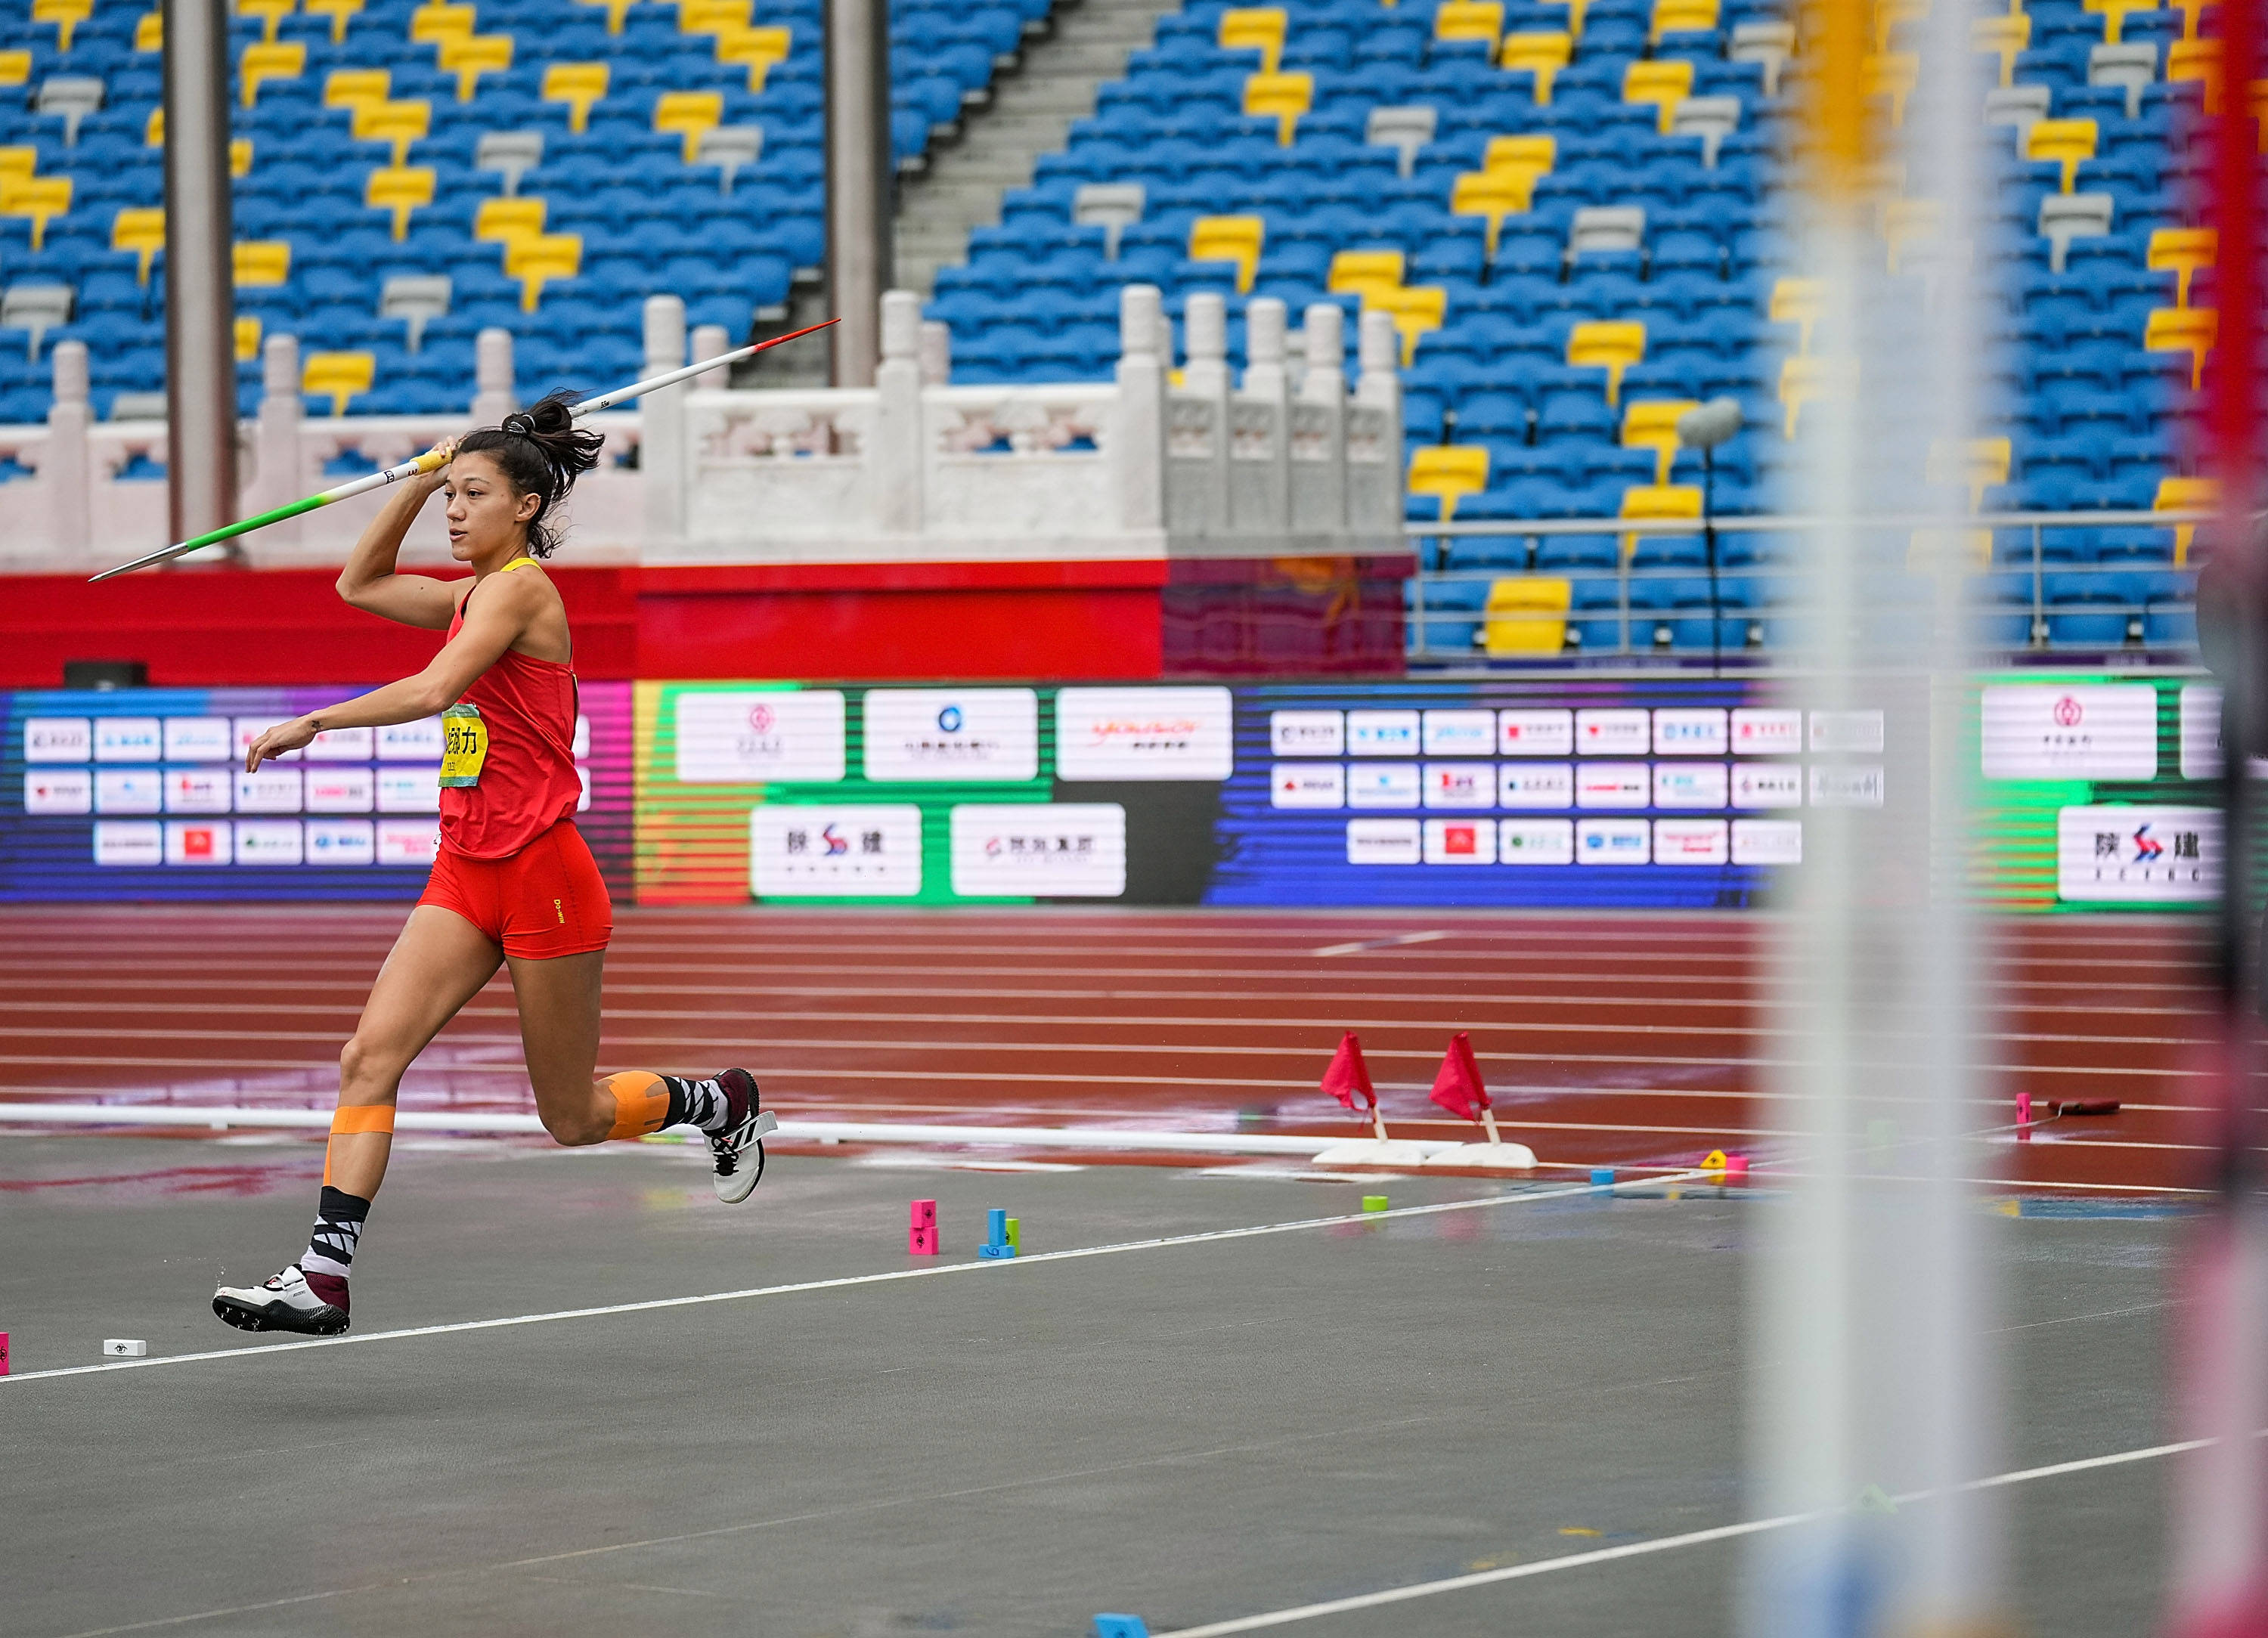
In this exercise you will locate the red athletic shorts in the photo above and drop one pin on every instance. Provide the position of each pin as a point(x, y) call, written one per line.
point(546, 900)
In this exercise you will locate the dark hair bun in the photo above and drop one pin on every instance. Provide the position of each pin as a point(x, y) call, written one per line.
point(542, 452)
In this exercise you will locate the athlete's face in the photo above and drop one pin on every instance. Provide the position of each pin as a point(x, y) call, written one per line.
point(488, 516)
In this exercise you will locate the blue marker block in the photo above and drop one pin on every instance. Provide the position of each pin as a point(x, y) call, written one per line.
point(1120, 1626)
point(1602, 1180)
point(995, 1253)
point(996, 1227)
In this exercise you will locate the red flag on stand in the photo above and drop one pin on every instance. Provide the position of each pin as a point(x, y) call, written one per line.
point(1349, 1077)
point(1458, 1088)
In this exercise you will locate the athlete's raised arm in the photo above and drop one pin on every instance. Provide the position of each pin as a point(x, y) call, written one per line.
point(369, 581)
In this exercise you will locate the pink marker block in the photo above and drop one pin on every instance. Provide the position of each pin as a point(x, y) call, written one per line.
point(3, 1353)
point(921, 1234)
point(1736, 1171)
point(924, 1213)
point(2023, 1117)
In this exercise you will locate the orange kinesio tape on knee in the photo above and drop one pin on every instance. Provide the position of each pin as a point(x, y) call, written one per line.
point(362, 1117)
point(641, 1102)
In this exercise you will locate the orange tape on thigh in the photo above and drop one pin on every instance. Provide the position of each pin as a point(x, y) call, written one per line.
point(362, 1117)
point(641, 1102)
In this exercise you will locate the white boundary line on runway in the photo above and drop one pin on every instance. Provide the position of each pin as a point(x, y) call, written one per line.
point(1160, 1243)
point(1639, 1549)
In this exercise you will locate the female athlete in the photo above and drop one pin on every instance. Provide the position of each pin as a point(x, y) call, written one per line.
point(514, 882)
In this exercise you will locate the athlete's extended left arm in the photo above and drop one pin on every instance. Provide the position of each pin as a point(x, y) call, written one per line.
point(506, 605)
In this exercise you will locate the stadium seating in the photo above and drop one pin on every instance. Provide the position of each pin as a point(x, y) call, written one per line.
point(664, 145)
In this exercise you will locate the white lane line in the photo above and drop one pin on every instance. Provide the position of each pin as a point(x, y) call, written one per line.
point(892, 1276)
point(1361, 945)
point(1640, 1549)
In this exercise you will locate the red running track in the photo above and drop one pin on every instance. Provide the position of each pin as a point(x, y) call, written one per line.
point(1622, 1040)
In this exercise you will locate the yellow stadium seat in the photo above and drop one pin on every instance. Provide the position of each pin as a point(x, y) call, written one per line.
point(1814, 380)
point(2066, 142)
point(42, 199)
point(2186, 495)
point(2184, 250)
point(1905, 221)
point(538, 257)
point(468, 57)
point(1364, 270)
point(757, 47)
point(66, 15)
point(401, 123)
point(18, 164)
point(503, 220)
point(401, 189)
point(713, 17)
point(2190, 330)
point(1799, 302)
point(1665, 82)
point(15, 67)
point(616, 10)
point(689, 113)
point(1653, 501)
point(1972, 464)
point(2198, 60)
point(1543, 55)
point(1682, 17)
point(1609, 344)
point(150, 31)
point(1892, 74)
point(270, 14)
point(1576, 11)
point(1536, 155)
point(338, 376)
point(1415, 309)
point(153, 129)
point(2003, 37)
point(1255, 28)
point(1494, 195)
point(2190, 11)
point(432, 23)
point(1449, 471)
point(344, 88)
point(1526, 615)
point(338, 11)
point(1229, 238)
point(240, 156)
point(1286, 96)
point(259, 263)
point(579, 85)
point(247, 338)
point(1470, 19)
point(141, 230)
point(287, 59)
point(1891, 15)
point(1653, 425)
point(2114, 13)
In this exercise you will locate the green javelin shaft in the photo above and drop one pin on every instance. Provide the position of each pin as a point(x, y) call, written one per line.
point(429, 461)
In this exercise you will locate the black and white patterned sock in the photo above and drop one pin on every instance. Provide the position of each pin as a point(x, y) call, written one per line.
point(329, 1257)
point(702, 1104)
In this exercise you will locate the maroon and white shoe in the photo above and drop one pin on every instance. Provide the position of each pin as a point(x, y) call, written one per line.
point(739, 1149)
point(284, 1302)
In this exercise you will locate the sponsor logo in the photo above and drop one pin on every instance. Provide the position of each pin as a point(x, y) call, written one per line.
point(268, 841)
point(1383, 785)
point(1535, 785)
point(271, 790)
point(1689, 784)
point(1767, 785)
point(1460, 733)
point(1460, 784)
point(1690, 841)
point(408, 790)
point(750, 737)
point(1143, 733)
point(867, 850)
point(1460, 841)
point(1767, 841)
point(1535, 733)
point(249, 729)
point(420, 741)
point(1307, 734)
point(1613, 842)
point(1613, 733)
point(341, 790)
point(128, 790)
point(1613, 785)
point(1039, 849)
point(407, 841)
point(2121, 855)
point(1689, 731)
point(1384, 842)
point(1306, 785)
point(197, 740)
point(128, 842)
point(1536, 841)
point(344, 745)
point(1759, 731)
point(198, 790)
point(341, 841)
point(58, 791)
point(936, 733)
point(1382, 733)
point(58, 739)
point(1836, 785)
point(127, 739)
point(1858, 732)
point(197, 841)
point(2080, 730)
point(2201, 731)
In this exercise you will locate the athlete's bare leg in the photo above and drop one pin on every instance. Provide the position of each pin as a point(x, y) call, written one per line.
point(559, 1033)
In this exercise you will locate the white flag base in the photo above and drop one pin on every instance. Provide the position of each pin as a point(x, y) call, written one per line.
point(1371, 1151)
point(1488, 1157)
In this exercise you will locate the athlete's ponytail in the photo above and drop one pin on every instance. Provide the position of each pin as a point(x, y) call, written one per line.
point(540, 451)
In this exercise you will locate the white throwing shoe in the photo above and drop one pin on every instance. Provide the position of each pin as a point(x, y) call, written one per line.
point(736, 1179)
point(283, 1303)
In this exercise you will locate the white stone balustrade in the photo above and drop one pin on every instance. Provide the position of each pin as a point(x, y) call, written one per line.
point(1285, 461)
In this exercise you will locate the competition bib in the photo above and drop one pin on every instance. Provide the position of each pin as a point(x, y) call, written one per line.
point(464, 744)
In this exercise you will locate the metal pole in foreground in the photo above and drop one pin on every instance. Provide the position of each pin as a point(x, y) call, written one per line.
point(200, 273)
point(859, 171)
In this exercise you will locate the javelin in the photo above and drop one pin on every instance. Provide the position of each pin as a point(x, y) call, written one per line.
point(429, 460)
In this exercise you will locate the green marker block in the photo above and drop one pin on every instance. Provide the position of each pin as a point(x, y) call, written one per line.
point(1014, 1243)
point(1373, 1202)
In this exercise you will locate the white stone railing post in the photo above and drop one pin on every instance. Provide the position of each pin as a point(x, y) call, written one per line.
point(935, 353)
point(275, 439)
point(663, 468)
point(895, 456)
point(65, 469)
point(1137, 434)
point(1267, 387)
point(1375, 504)
point(495, 394)
point(1204, 508)
point(1319, 499)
